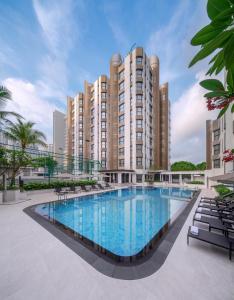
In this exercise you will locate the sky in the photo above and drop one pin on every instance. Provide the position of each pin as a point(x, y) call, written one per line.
point(49, 47)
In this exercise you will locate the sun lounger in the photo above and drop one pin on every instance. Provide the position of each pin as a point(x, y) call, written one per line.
point(211, 222)
point(100, 186)
point(213, 239)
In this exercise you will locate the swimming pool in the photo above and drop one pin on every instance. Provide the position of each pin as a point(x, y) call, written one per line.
point(120, 223)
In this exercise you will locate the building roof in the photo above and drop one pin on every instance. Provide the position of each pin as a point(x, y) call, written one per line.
point(225, 178)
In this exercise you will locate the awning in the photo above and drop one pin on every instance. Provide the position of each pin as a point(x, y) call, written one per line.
point(225, 178)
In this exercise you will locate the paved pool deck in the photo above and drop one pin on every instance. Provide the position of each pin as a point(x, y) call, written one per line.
point(34, 264)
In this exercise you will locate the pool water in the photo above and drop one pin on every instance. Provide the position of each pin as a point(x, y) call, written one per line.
point(122, 221)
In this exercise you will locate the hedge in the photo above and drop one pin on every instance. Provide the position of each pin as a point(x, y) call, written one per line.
point(222, 190)
point(30, 186)
point(196, 182)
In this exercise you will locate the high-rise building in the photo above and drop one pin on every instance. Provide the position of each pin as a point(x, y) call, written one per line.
point(59, 131)
point(122, 120)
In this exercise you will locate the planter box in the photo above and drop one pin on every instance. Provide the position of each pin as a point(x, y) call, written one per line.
point(11, 195)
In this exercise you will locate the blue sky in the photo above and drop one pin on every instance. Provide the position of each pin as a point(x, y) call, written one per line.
point(48, 48)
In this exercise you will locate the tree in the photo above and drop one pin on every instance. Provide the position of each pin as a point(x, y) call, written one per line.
point(201, 166)
point(24, 133)
point(217, 38)
point(183, 166)
point(11, 161)
point(5, 95)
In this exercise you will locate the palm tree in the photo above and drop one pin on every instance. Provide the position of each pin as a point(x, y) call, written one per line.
point(5, 95)
point(25, 134)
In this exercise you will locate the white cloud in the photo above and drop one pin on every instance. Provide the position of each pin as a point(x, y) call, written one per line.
point(28, 102)
point(188, 123)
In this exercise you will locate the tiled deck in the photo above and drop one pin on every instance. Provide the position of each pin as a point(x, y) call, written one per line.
point(36, 265)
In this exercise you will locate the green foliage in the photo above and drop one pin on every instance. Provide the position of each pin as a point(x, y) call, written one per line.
point(187, 166)
point(183, 166)
point(218, 35)
point(201, 166)
point(196, 182)
point(55, 184)
point(222, 189)
point(46, 162)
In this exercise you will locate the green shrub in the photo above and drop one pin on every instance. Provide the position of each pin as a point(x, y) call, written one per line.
point(196, 182)
point(222, 190)
point(31, 186)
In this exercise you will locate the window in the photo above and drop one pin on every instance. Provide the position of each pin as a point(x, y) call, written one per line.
point(138, 178)
point(151, 119)
point(121, 162)
point(81, 134)
point(103, 95)
point(216, 149)
point(80, 109)
point(139, 148)
point(80, 125)
point(92, 102)
point(139, 60)
point(121, 107)
point(103, 162)
point(103, 124)
point(92, 147)
point(150, 108)
point(216, 134)
point(139, 161)
point(103, 134)
point(121, 85)
point(103, 145)
point(151, 75)
point(81, 142)
point(103, 105)
point(81, 101)
point(104, 85)
point(139, 111)
point(103, 154)
point(150, 97)
point(139, 123)
point(121, 151)
point(121, 97)
point(139, 97)
point(92, 121)
point(139, 136)
point(92, 112)
point(92, 130)
point(121, 140)
point(121, 118)
point(151, 87)
point(216, 163)
point(130, 78)
point(121, 129)
point(139, 72)
point(103, 114)
point(139, 85)
point(121, 75)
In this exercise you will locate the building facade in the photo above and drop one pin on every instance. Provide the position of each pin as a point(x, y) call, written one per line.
point(220, 137)
point(59, 131)
point(122, 120)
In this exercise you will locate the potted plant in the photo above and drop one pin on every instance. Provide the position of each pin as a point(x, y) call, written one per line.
point(12, 193)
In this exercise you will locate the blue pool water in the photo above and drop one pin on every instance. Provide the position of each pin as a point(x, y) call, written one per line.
point(121, 221)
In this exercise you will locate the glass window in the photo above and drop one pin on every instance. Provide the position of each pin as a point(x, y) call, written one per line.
point(216, 163)
point(139, 85)
point(81, 101)
point(121, 97)
point(103, 162)
point(103, 105)
point(103, 124)
point(121, 162)
point(121, 129)
point(103, 134)
point(92, 120)
point(121, 107)
point(121, 151)
point(139, 60)
point(139, 161)
point(139, 72)
point(104, 85)
point(139, 111)
point(103, 114)
point(139, 97)
point(139, 123)
point(138, 178)
point(121, 140)
point(103, 154)
point(121, 118)
point(103, 95)
point(81, 142)
point(216, 134)
point(80, 109)
point(92, 146)
point(216, 149)
point(92, 112)
point(80, 125)
point(139, 136)
point(139, 148)
point(103, 144)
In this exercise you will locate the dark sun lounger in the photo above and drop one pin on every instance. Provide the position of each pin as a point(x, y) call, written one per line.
point(213, 239)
